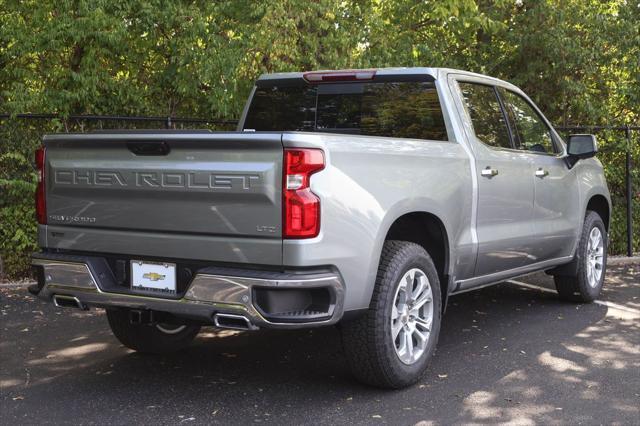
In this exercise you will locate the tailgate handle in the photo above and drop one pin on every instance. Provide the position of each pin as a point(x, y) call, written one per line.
point(149, 148)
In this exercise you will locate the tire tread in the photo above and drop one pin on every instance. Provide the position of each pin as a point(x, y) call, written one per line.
point(364, 345)
point(575, 288)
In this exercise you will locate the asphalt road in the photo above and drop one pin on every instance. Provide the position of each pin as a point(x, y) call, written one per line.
point(506, 354)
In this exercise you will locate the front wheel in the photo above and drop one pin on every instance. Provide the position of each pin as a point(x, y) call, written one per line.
point(158, 338)
point(591, 258)
point(390, 346)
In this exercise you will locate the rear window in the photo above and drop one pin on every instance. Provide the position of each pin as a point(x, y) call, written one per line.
point(401, 110)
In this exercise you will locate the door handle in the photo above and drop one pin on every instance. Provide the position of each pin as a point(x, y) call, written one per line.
point(489, 172)
point(541, 172)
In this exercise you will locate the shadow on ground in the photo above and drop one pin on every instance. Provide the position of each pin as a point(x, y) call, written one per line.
point(506, 354)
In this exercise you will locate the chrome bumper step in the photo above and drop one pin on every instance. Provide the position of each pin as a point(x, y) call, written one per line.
point(224, 300)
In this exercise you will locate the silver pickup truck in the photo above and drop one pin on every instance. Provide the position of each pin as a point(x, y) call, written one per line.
point(360, 197)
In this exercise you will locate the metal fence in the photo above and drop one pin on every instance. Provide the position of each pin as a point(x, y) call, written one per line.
point(176, 122)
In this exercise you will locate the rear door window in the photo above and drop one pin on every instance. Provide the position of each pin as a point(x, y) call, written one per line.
point(394, 109)
point(486, 114)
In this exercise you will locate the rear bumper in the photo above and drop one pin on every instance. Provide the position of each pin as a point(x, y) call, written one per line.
point(212, 291)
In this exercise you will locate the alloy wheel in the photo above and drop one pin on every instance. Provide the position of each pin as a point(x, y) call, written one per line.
point(595, 257)
point(412, 316)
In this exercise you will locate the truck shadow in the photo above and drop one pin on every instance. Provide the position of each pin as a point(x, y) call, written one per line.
point(506, 352)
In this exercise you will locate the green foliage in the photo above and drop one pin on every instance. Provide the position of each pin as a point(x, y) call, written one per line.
point(578, 59)
point(17, 224)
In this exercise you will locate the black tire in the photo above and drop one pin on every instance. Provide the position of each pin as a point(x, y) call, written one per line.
point(368, 344)
point(149, 338)
point(576, 287)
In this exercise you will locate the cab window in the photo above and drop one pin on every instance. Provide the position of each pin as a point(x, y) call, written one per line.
point(392, 109)
point(530, 132)
point(486, 115)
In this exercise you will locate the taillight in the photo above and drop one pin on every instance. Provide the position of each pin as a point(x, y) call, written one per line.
point(41, 205)
point(316, 77)
point(301, 206)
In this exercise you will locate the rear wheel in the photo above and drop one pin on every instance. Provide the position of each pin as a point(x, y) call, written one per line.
point(158, 338)
point(390, 346)
point(591, 263)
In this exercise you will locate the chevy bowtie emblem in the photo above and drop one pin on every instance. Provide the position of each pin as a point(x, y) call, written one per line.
point(153, 276)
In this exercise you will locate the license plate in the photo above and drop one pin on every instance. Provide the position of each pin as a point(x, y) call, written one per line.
point(153, 276)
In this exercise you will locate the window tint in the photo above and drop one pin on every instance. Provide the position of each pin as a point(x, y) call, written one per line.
point(486, 115)
point(402, 109)
point(282, 108)
point(530, 131)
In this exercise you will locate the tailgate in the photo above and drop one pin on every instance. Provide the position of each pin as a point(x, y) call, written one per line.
point(197, 195)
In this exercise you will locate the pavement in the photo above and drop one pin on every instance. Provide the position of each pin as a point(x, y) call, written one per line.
point(511, 353)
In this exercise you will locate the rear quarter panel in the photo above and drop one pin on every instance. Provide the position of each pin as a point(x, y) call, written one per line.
point(368, 183)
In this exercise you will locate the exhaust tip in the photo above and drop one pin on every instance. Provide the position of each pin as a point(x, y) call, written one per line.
point(234, 322)
point(67, 302)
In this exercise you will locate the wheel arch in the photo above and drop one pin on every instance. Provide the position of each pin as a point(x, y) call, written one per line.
point(599, 204)
point(428, 231)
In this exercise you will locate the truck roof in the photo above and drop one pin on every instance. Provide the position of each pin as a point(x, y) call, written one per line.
point(436, 73)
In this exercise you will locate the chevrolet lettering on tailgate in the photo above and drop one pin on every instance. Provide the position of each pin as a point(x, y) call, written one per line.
point(156, 179)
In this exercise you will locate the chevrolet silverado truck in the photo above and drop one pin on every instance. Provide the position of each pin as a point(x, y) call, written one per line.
point(363, 198)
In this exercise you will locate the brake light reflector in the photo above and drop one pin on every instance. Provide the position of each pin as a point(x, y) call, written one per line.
point(337, 76)
point(41, 205)
point(301, 207)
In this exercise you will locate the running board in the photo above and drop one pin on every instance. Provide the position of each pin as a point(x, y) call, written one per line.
point(498, 277)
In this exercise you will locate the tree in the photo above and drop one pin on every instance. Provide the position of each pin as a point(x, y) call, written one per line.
point(578, 59)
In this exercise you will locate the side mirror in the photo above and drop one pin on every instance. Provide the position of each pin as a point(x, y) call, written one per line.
point(580, 147)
